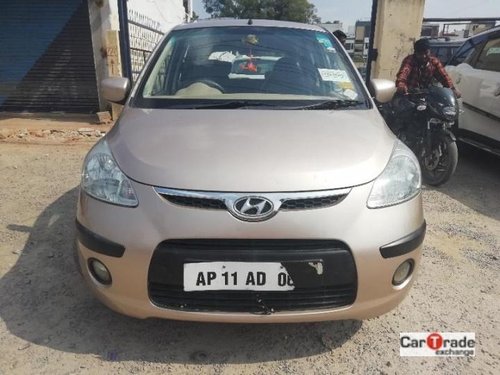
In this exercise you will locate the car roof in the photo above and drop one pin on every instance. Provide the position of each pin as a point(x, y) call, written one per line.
point(228, 22)
point(444, 43)
point(488, 31)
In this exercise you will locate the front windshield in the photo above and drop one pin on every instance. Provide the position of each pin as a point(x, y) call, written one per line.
point(264, 66)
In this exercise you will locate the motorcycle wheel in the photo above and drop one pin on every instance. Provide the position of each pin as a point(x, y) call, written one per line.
point(439, 166)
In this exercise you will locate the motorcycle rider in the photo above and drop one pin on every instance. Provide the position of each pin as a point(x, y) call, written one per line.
point(418, 70)
point(435, 146)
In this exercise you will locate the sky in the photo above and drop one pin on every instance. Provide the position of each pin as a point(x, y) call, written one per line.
point(348, 11)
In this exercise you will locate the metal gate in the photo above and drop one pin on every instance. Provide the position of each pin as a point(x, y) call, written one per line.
point(144, 34)
point(46, 58)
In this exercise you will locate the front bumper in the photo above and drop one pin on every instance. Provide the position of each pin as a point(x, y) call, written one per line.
point(367, 232)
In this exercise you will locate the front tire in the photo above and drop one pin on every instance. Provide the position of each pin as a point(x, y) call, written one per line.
point(440, 164)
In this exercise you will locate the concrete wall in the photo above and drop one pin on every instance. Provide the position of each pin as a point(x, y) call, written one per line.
point(398, 26)
point(104, 20)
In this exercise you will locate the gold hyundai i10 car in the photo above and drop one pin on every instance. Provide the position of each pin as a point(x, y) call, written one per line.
point(274, 194)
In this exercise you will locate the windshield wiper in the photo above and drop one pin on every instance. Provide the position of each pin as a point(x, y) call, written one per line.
point(235, 104)
point(232, 104)
point(334, 104)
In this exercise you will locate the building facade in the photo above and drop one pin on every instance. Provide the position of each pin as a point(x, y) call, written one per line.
point(55, 53)
point(361, 39)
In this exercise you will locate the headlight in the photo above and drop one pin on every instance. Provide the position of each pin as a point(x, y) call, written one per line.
point(102, 179)
point(450, 112)
point(400, 180)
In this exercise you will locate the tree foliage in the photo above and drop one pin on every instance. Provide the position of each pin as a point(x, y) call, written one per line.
point(286, 10)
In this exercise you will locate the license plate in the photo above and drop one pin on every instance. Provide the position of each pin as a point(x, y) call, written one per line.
point(268, 276)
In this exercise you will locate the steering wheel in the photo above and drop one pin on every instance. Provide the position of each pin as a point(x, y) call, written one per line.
point(207, 82)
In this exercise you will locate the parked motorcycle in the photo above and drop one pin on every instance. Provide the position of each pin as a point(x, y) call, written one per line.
point(423, 120)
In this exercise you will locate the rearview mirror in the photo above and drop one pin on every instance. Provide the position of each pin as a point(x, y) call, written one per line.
point(115, 89)
point(382, 89)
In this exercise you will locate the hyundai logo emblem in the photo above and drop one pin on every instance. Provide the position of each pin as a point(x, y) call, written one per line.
point(253, 208)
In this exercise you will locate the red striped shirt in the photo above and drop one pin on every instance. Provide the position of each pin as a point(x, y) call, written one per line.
point(413, 75)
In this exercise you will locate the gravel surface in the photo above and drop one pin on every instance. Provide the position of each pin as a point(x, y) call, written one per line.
point(51, 324)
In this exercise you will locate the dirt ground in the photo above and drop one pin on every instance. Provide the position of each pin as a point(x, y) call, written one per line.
point(51, 324)
point(53, 128)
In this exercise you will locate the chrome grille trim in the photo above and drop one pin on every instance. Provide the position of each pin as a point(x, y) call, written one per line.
point(286, 201)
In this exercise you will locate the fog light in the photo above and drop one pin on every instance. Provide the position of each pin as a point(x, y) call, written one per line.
point(99, 271)
point(403, 272)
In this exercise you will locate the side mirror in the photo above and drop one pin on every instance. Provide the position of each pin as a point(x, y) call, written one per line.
point(115, 89)
point(382, 89)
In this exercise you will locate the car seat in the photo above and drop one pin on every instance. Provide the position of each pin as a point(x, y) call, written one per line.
point(288, 77)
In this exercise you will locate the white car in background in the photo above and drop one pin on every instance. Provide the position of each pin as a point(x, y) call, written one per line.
point(475, 70)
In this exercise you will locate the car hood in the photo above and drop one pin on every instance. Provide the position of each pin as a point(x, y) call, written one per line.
point(251, 150)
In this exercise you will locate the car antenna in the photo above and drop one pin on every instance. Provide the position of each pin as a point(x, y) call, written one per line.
point(250, 22)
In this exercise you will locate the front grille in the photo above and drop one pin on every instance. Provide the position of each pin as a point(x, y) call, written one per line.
point(214, 204)
point(289, 204)
point(310, 203)
point(252, 302)
point(337, 287)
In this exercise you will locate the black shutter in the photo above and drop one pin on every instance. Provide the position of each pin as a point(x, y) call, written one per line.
point(47, 61)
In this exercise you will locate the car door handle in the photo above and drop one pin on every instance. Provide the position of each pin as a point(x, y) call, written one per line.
point(497, 92)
